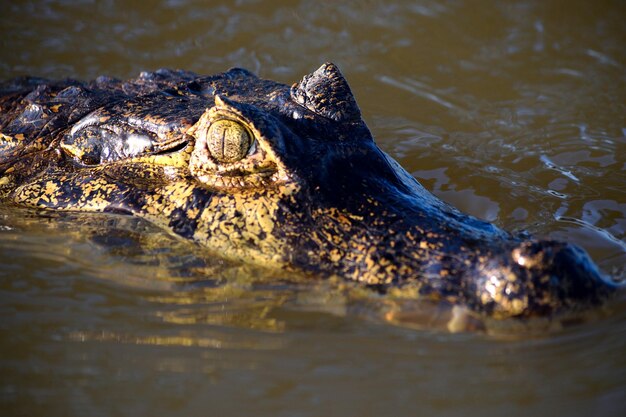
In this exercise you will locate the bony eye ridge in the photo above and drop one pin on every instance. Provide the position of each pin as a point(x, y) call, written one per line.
point(228, 141)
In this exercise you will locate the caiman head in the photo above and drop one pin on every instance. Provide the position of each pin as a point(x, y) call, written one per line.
point(290, 177)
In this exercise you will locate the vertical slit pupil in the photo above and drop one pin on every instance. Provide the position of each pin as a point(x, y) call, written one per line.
point(228, 141)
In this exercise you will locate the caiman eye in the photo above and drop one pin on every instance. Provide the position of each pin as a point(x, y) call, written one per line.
point(228, 141)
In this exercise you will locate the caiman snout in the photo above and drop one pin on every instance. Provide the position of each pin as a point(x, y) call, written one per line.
point(539, 278)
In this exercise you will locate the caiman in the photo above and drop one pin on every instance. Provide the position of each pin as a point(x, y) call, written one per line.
point(281, 176)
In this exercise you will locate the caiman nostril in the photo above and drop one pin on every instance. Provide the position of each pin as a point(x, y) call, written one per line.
point(537, 278)
point(560, 274)
point(529, 254)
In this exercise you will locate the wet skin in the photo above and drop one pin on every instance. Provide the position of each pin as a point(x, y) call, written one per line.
point(285, 177)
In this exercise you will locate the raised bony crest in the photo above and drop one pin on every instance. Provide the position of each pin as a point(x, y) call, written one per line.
point(326, 93)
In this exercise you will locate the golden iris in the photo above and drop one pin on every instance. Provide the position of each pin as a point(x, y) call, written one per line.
point(228, 141)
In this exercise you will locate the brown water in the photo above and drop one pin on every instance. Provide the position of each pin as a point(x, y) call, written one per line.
point(512, 111)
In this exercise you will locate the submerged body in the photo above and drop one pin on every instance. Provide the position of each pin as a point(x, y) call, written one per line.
point(287, 177)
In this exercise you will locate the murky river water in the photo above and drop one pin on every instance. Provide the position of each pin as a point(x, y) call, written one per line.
point(512, 111)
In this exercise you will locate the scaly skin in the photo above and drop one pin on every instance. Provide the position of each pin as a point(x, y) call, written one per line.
point(283, 177)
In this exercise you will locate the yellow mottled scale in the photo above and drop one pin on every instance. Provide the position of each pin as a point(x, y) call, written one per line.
point(236, 236)
point(176, 159)
point(9, 142)
point(161, 203)
point(77, 151)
